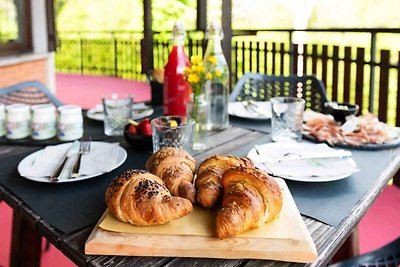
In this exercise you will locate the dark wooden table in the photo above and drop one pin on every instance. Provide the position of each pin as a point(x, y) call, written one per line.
point(28, 226)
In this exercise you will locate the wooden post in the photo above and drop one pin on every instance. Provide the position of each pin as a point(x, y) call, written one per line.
point(147, 41)
point(51, 28)
point(227, 29)
point(201, 22)
point(25, 244)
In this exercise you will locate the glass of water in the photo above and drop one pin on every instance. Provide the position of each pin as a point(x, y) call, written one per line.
point(287, 118)
point(172, 131)
point(117, 111)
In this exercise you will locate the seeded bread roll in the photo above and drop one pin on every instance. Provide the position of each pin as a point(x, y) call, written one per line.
point(141, 198)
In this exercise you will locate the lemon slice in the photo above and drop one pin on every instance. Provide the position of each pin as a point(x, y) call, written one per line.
point(173, 124)
point(134, 123)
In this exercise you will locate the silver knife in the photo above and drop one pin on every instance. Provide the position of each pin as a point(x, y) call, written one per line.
point(56, 174)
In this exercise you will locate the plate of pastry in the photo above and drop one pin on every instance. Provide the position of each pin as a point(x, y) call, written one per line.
point(139, 111)
point(254, 110)
point(268, 226)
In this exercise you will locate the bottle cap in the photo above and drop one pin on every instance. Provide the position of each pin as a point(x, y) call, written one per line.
point(178, 30)
point(214, 28)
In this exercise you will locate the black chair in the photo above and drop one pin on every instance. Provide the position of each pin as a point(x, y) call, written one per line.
point(262, 87)
point(31, 93)
point(386, 256)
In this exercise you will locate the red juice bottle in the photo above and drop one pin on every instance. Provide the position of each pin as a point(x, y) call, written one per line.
point(176, 89)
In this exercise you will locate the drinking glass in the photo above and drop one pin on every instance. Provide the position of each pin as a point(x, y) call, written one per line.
point(287, 118)
point(117, 111)
point(172, 131)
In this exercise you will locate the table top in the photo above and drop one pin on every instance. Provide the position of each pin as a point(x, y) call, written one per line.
point(327, 238)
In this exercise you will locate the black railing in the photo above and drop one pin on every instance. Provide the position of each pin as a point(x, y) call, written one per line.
point(353, 73)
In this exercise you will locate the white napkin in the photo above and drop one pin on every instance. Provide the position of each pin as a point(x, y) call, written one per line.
point(261, 109)
point(101, 158)
point(275, 158)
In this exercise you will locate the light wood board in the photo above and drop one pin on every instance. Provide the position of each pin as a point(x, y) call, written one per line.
point(286, 239)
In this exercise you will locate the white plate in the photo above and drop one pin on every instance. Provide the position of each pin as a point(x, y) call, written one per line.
point(30, 159)
point(238, 110)
point(333, 177)
point(139, 111)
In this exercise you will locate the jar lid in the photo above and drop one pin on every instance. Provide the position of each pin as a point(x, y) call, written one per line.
point(43, 108)
point(70, 109)
point(17, 108)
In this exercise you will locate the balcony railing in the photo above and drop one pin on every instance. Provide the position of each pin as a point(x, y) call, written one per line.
point(358, 73)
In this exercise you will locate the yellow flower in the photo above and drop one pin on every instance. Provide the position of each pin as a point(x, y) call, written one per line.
point(187, 70)
point(212, 60)
point(209, 76)
point(218, 73)
point(201, 68)
point(195, 59)
point(193, 78)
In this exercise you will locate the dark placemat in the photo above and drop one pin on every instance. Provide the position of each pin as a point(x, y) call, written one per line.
point(66, 206)
point(263, 126)
point(331, 202)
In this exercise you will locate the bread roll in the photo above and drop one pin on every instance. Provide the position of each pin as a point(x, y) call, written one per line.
point(141, 198)
point(176, 168)
point(209, 175)
point(251, 198)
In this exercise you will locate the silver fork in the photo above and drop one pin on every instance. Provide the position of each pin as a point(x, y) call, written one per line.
point(84, 148)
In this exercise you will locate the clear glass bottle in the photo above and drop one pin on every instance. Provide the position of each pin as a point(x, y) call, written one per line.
point(197, 111)
point(217, 89)
point(176, 89)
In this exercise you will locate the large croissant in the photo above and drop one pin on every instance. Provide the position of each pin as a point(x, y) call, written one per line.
point(251, 198)
point(176, 168)
point(209, 175)
point(141, 198)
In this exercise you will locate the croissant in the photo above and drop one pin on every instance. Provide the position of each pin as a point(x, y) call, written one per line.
point(141, 198)
point(251, 198)
point(176, 168)
point(209, 175)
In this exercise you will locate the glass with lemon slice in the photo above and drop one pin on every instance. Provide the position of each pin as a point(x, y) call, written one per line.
point(172, 131)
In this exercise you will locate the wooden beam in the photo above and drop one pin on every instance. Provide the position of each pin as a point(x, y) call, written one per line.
point(51, 27)
point(147, 41)
point(227, 29)
point(201, 22)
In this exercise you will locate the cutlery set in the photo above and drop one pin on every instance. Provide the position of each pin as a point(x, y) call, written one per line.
point(84, 148)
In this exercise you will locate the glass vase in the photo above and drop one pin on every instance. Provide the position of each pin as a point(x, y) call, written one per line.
point(197, 111)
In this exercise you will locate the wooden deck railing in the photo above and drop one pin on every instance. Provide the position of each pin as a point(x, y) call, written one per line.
point(359, 74)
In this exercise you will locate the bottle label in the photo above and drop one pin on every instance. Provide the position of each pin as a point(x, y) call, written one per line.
point(17, 130)
point(70, 131)
point(41, 131)
point(2, 127)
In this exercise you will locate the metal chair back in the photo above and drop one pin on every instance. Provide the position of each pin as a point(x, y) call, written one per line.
point(262, 87)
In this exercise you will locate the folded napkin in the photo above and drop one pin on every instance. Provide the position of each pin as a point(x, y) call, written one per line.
point(101, 158)
point(303, 160)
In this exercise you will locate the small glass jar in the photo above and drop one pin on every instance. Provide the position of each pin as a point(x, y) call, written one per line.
point(70, 123)
point(18, 121)
point(43, 121)
point(2, 120)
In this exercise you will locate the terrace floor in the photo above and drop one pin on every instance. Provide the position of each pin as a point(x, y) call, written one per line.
point(378, 227)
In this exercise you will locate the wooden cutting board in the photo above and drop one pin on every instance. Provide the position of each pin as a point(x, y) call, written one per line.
point(286, 239)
